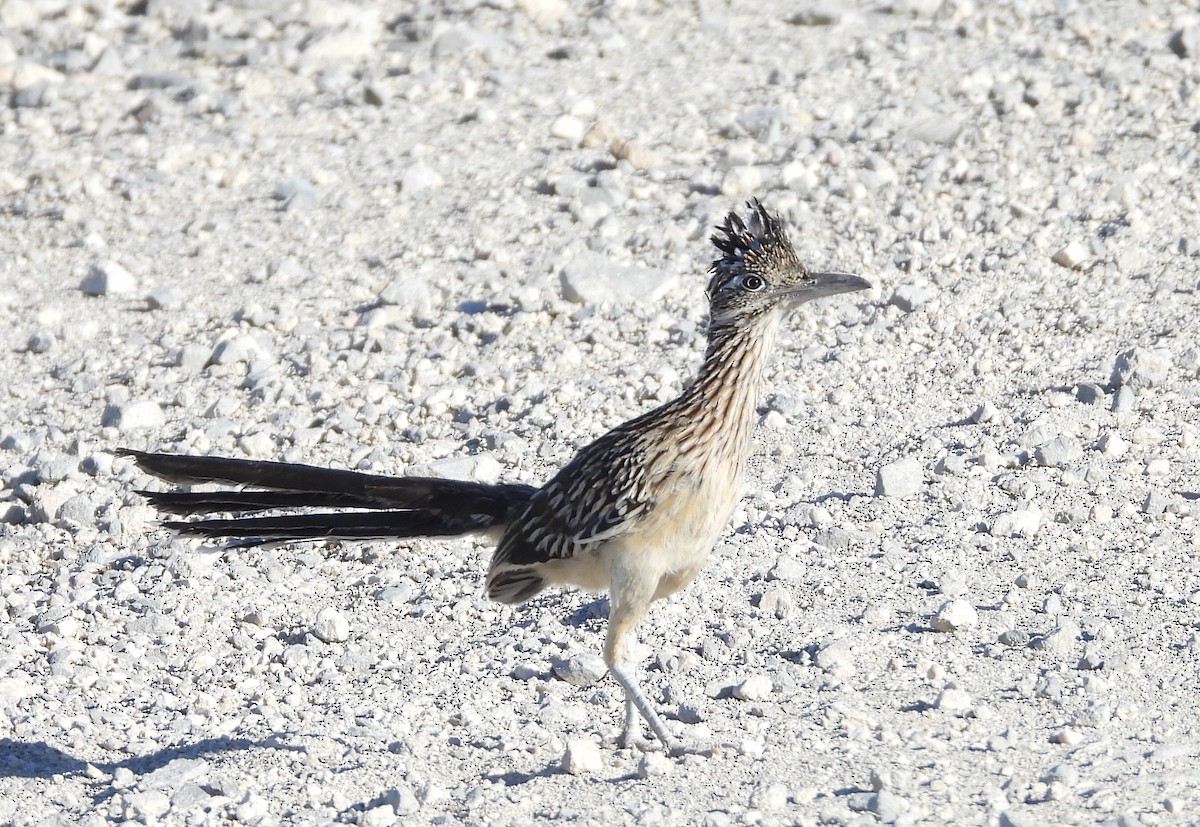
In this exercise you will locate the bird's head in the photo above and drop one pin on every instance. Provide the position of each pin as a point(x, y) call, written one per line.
point(758, 271)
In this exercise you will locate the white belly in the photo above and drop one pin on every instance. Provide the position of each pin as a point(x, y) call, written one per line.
point(663, 553)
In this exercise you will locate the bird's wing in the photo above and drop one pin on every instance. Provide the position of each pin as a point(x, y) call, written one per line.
point(599, 495)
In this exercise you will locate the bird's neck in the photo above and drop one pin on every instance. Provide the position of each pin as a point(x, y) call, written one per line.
point(720, 403)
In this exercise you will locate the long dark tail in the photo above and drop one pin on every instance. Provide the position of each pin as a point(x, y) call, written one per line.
point(394, 507)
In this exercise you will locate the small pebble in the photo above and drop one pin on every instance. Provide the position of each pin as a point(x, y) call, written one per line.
point(954, 615)
point(771, 798)
point(476, 467)
point(888, 806)
point(902, 478)
point(654, 764)
point(331, 626)
point(130, 416)
point(107, 278)
point(908, 297)
point(1073, 256)
point(1015, 638)
point(1061, 639)
point(569, 128)
point(598, 133)
point(987, 412)
point(1023, 522)
point(1155, 503)
point(1158, 467)
point(591, 278)
point(166, 298)
point(742, 180)
point(582, 757)
point(1089, 393)
point(1058, 452)
point(1112, 445)
point(1066, 736)
point(40, 341)
point(1141, 367)
point(418, 178)
point(753, 688)
point(637, 155)
point(953, 699)
point(582, 669)
point(1124, 399)
point(836, 659)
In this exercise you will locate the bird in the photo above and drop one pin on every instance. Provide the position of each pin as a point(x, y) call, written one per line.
point(635, 512)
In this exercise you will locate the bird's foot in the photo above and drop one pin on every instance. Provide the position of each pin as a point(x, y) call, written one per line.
point(635, 741)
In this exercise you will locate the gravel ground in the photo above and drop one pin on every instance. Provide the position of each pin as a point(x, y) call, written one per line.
point(964, 584)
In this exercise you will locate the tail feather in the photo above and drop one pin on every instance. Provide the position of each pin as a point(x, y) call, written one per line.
point(208, 502)
point(362, 490)
point(374, 525)
point(396, 507)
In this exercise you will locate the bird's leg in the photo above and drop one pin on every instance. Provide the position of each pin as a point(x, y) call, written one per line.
point(621, 621)
point(636, 699)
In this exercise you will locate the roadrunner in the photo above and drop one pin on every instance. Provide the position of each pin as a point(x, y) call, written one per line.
point(636, 512)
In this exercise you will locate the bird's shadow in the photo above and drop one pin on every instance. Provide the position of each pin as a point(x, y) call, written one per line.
point(37, 759)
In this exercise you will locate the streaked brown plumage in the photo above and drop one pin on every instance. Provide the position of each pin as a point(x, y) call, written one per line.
point(636, 512)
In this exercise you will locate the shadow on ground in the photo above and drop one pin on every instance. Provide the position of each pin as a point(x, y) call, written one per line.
point(37, 759)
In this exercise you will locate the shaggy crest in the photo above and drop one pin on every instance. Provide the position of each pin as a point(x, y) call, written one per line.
point(758, 246)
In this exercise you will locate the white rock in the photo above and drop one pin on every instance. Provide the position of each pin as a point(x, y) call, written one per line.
point(753, 688)
point(742, 180)
point(639, 156)
point(463, 39)
point(1158, 467)
point(1058, 452)
point(418, 177)
point(773, 420)
point(953, 699)
point(1023, 522)
point(174, 774)
point(1061, 639)
point(1141, 367)
point(40, 341)
point(908, 297)
point(253, 809)
point(954, 615)
point(544, 11)
point(1071, 256)
point(477, 467)
point(380, 816)
point(1124, 400)
point(591, 278)
point(902, 478)
point(653, 764)
point(331, 626)
point(772, 797)
point(129, 416)
point(582, 757)
point(16, 688)
point(836, 659)
point(146, 807)
point(787, 568)
point(238, 347)
point(107, 278)
point(582, 670)
point(987, 412)
point(569, 128)
point(411, 294)
point(1067, 737)
point(1112, 445)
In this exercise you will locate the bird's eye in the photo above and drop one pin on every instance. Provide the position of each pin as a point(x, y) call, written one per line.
point(754, 283)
